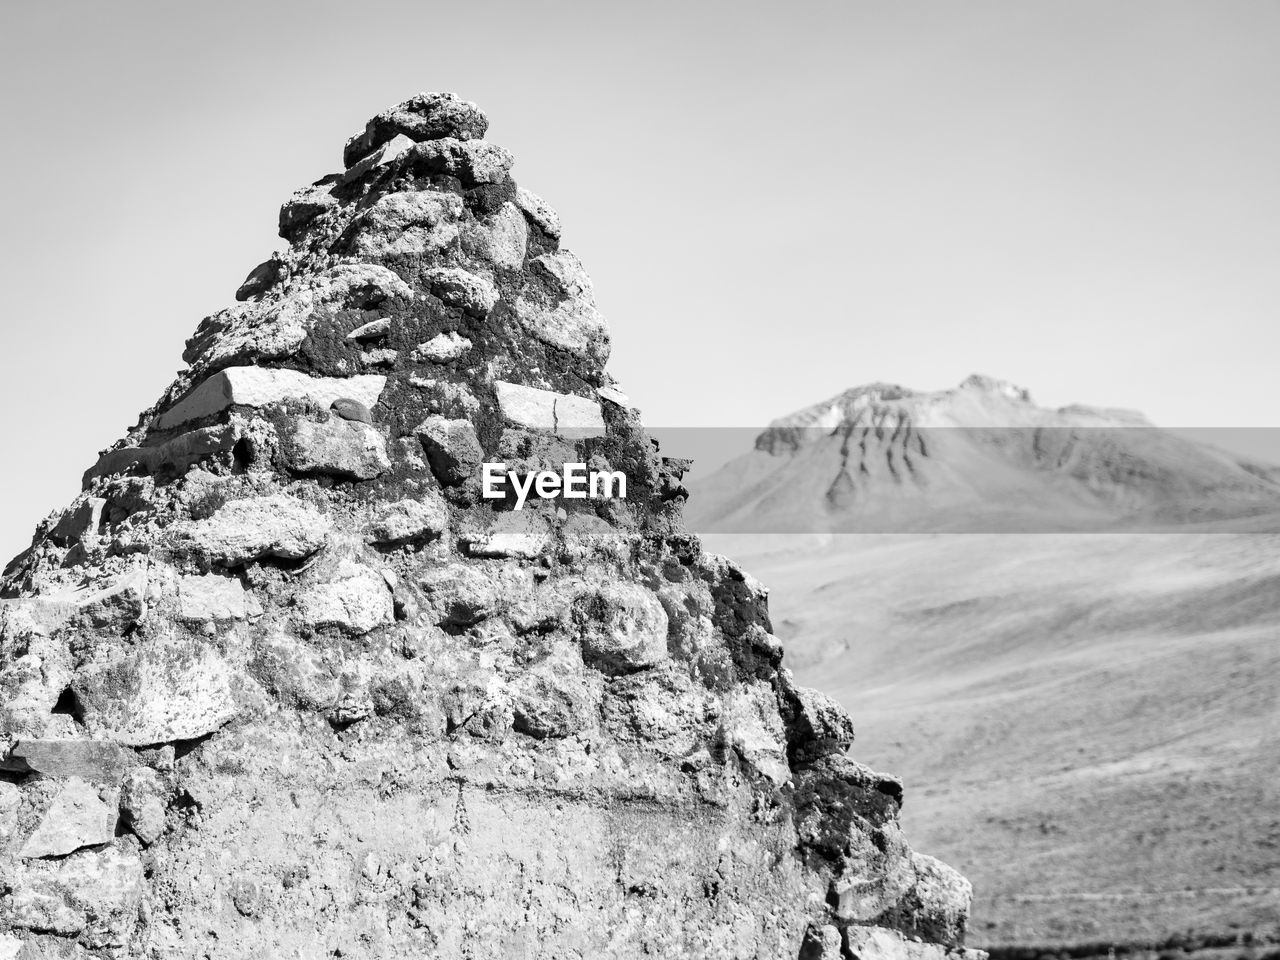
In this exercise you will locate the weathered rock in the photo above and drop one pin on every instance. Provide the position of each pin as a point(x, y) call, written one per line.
point(524, 546)
point(818, 725)
point(623, 627)
point(353, 410)
point(142, 804)
point(427, 116)
point(410, 521)
point(614, 395)
point(539, 211)
point(356, 601)
point(567, 275)
point(878, 874)
point(118, 603)
point(10, 801)
point(461, 288)
point(262, 278)
point(563, 314)
point(555, 702)
point(254, 528)
point(304, 206)
point(452, 400)
point(664, 709)
point(410, 223)
point(81, 522)
point(35, 666)
point(546, 610)
point(460, 595)
point(452, 448)
point(521, 534)
point(92, 895)
point(822, 943)
point(77, 817)
point(526, 688)
point(473, 162)
point(258, 387)
point(341, 448)
point(202, 599)
point(373, 330)
point(274, 329)
point(442, 348)
point(100, 761)
point(562, 414)
point(877, 943)
point(940, 900)
point(754, 730)
point(501, 241)
point(176, 456)
point(381, 156)
point(175, 690)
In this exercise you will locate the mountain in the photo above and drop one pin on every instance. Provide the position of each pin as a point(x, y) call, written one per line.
point(980, 457)
point(285, 681)
point(1088, 721)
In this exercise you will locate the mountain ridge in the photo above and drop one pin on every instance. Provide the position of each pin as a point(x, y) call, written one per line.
point(979, 456)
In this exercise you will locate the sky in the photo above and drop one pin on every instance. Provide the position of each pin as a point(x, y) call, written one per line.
point(776, 201)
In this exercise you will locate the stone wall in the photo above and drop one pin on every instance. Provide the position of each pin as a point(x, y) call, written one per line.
point(282, 683)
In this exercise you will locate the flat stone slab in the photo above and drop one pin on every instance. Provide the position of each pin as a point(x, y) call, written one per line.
point(408, 521)
point(179, 454)
point(560, 413)
point(211, 597)
point(614, 395)
point(77, 817)
point(380, 157)
point(338, 448)
point(373, 330)
point(357, 601)
point(539, 211)
point(98, 760)
point(246, 530)
point(260, 387)
point(174, 691)
point(92, 894)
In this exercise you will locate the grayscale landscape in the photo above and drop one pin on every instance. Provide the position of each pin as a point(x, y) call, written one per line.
point(1089, 719)
point(581, 512)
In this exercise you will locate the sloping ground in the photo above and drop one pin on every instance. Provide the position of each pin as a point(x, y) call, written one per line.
point(1088, 726)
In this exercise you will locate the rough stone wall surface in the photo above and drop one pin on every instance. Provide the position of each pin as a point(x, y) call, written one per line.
point(281, 683)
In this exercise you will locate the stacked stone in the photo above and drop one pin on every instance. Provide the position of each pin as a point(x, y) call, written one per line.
point(281, 682)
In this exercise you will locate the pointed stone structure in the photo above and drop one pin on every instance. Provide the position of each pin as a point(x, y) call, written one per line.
point(283, 682)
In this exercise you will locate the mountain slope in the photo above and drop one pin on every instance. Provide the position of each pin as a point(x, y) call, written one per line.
point(979, 457)
point(1089, 723)
point(1089, 720)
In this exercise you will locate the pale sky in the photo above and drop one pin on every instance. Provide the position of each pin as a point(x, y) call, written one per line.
point(776, 200)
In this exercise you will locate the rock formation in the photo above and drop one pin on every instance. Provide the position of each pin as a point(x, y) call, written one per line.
point(282, 683)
